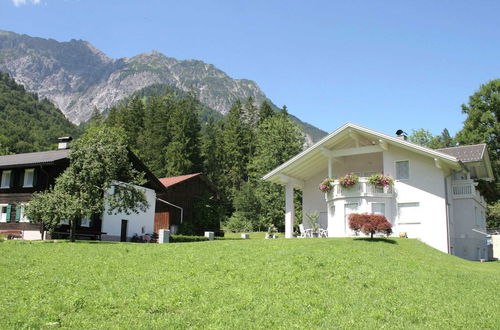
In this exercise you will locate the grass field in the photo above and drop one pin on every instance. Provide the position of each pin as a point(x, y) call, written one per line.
point(301, 283)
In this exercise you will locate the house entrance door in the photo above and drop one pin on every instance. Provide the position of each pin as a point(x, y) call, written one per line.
point(123, 236)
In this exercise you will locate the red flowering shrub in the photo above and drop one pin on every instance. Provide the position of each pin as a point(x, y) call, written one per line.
point(369, 224)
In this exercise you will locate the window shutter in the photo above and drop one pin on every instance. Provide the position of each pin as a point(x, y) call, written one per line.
point(18, 213)
point(35, 177)
point(20, 181)
point(9, 209)
point(12, 182)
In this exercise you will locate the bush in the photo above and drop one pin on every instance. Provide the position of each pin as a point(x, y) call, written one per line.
point(369, 224)
point(238, 223)
point(185, 239)
point(2, 237)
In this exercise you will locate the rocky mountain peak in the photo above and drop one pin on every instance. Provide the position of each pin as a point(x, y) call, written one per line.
point(78, 77)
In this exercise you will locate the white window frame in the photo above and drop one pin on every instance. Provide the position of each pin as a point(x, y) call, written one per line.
point(381, 203)
point(2, 220)
point(23, 217)
point(6, 185)
point(25, 183)
point(396, 169)
point(346, 216)
point(406, 222)
point(85, 222)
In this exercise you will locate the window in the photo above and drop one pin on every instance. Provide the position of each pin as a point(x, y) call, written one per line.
point(378, 208)
point(6, 179)
point(22, 215)
point(3, 213)
point(64, 222)
point(349, 208)
point(408, 213)
point(403, 170)
point(29, 175)
point(85, 222)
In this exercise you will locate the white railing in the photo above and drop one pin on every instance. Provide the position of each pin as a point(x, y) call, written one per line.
point(466, 189)
point(361, 189)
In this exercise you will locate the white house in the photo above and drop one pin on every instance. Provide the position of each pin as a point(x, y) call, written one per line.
point(433, 197)
point(122, 226)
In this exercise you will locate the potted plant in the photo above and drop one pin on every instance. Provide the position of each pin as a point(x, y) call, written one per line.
point(349, 180)
point(326, 185)
point(380, 180)
point(312, 219)
point(271, 229)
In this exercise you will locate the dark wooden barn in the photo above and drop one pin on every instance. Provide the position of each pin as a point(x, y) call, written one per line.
point(183, 194)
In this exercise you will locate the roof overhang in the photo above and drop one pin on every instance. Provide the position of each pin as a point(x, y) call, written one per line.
point(315, 156)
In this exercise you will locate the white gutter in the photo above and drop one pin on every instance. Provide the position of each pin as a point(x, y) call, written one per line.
point(478, 231)
point(180, 208)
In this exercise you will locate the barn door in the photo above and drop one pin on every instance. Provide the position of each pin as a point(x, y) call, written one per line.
point(162, 221)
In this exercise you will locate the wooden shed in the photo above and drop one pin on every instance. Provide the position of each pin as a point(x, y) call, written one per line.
point(183, 192)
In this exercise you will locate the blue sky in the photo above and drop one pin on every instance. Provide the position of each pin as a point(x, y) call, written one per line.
point(381, 64)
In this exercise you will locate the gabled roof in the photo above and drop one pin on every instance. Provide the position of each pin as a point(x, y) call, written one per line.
point(170, 181)
point(299, 167)
point(472, 153)
point(33, 158)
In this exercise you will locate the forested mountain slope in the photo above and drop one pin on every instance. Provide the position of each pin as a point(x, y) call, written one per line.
point(28, 123)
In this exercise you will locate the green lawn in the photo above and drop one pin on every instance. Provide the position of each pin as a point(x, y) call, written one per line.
point(301, 283)
point(252, 235)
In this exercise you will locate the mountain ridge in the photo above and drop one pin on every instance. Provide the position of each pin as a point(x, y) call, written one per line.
point(78, 77)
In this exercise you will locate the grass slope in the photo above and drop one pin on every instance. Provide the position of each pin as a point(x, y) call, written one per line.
point(302, 283)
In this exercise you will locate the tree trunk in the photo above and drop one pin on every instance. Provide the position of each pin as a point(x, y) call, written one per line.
point(371, 235)
point(72, 231)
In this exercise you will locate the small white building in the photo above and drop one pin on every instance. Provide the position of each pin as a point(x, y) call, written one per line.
point(433, 197)
point(123, 226)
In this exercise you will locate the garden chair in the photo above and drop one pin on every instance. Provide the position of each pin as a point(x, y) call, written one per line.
point(323, 232)
point(304, 232)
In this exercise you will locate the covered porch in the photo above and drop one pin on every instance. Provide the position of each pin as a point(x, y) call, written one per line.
point(351, 152)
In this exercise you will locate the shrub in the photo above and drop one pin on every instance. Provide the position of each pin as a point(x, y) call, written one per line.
point(2, 237)
point(238, 222)
point(185, 239)
point(369, 224)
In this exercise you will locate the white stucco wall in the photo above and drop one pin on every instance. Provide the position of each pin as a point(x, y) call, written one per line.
point(138, 223)
point(363, 165)
point(466, 242)
point(495, 239)
point(426, 186)
point(313, 200)
point(32, 235)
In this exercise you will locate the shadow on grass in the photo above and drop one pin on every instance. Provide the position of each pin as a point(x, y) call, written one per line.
point(376, 239)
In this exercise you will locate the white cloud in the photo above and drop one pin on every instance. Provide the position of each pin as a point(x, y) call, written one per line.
point(18, 3)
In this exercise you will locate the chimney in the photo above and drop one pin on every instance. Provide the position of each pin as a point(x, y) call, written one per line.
point(63, 142)
point(401, 135)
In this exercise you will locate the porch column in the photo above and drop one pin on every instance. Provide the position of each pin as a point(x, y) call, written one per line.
point(289, 210)
point(330, 168)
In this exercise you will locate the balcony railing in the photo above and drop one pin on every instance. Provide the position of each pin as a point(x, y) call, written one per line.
point(362, 189)
point(466, 189)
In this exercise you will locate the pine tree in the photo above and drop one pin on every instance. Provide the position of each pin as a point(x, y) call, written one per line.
point(265, 111)
point(182, 155)
point(211, 151)
point(155, 136)
point(235, 150)
point(278, 139)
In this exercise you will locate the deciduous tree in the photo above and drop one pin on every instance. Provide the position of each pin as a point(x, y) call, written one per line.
point(99, 161)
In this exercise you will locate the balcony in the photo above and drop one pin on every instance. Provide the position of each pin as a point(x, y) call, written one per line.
point(466, 189)
point(362, 189)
